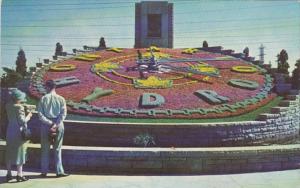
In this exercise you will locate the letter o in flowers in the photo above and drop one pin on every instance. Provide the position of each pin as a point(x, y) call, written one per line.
point(62, 67)
point(243, 84)
point(244, 69)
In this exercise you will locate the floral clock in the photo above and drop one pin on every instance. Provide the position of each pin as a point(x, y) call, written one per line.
point(157, 83)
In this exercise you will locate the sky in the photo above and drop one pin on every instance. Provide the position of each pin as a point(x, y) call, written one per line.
point(36, 26)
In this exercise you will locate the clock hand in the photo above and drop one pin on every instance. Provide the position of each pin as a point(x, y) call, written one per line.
point(189, 70)
point(173, 60)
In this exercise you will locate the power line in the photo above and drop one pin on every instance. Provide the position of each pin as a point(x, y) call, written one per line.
point(207, 21)
point(38, 45)
point(33, 50)
point(82, 25)
point(89, 8)
point(66, 19)
point(74, 8)
point(244, 36)
point(91, 25)
point(239, 8)
point(244, 43)
point(67, 4)
point(127, 37)
point(240, 29)
point(238, 20)
point(233, 42)
point(88, 3)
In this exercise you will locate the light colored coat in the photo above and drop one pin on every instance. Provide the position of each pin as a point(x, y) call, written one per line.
point(52, 109)
point(15, 145)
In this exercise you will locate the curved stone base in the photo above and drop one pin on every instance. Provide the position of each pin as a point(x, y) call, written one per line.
point(102, 160)
point(282, 124)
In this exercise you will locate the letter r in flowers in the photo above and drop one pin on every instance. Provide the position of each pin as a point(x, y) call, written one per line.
point(211, 97)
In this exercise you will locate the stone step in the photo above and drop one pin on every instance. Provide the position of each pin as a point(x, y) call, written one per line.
point(117, 160)
point(287, 103)
point(294, 92)
point(291, 97)
point(277, 110)
point(266, 116)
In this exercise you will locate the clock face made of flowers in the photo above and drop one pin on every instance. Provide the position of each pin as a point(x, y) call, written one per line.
point(157, 83)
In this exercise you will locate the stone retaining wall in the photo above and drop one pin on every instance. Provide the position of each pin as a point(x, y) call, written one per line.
point(282, 124)
point(171, 160)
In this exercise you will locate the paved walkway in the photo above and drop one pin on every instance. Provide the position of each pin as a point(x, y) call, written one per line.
point(279, 179)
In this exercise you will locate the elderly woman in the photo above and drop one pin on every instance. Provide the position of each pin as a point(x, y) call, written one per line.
point(15, 145)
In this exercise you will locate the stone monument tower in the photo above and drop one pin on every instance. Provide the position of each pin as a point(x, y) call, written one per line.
point(153, 24)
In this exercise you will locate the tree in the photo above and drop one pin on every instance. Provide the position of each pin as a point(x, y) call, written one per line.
point(10, 77)
point(246, 52)
point(296, 75)
point(58, 49)
point(21, 63)
point(205, 44)
point(283, 66)
point(102, 43)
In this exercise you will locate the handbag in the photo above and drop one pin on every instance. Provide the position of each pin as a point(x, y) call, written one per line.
point(25, 133)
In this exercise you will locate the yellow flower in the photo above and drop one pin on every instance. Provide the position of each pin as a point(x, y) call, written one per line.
point(62, 67)
point(158, 55)
point(105, 66)
point(190, 51)
point(117, 50)
point(87, 57)
point(153, 48)
point(152, 82)
point(244, 69)
point(206, 78)
point(205, 68)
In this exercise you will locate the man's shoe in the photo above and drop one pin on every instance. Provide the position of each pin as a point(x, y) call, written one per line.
point(21, 178)
point(62, 175)
point(43, 175)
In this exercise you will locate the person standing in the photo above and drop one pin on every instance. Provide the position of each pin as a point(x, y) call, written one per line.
point(52, 111)
point(15, 144)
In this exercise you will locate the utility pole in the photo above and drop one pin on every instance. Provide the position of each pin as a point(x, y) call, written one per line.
point(261, 54)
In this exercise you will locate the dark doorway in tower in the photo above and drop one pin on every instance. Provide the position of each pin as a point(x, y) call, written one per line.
point(154, 25)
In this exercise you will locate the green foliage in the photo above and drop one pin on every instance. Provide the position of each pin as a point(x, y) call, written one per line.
point(205, 44)
point(102, 43)
point(296, 75)
point(10, 77)
point(58, 49)
point(283, 65)
point(246, 52)
point(21, 63)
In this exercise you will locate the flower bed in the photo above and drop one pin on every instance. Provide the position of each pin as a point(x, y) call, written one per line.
point(180, 100)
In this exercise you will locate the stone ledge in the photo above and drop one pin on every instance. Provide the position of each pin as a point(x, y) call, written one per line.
point(171, 160)
point(267, 116)
point(287, 103)
point(278, 109)
point(292, 97)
